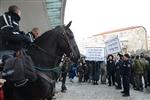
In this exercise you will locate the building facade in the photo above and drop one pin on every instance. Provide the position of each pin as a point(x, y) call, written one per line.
point(131, 38)
point(148, 42)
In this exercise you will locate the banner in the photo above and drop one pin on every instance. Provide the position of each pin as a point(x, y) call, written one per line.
point(95, 54)
point(113, 45)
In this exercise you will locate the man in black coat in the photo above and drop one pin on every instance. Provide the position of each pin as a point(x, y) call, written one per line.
point(111, 70)
point(118, 71)
point(126, 73)
point(12, 38)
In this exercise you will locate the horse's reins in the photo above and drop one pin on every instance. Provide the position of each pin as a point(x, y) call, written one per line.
point(44, 51)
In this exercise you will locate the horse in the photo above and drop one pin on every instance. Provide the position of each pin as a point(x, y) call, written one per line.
point(46, 53)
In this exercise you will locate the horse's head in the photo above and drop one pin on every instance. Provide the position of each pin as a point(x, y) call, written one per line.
point(72, 51)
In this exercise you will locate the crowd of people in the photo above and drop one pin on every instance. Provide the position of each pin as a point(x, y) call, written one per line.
point(122, 71)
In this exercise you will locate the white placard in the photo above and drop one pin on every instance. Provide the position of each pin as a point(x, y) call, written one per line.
point(95, 53)
point(113, 45)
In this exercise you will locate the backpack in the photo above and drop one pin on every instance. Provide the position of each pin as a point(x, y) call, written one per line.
point(23, 67)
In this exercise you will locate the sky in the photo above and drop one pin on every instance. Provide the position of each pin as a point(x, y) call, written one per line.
point(91, 17)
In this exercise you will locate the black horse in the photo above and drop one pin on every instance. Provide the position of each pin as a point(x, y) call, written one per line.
point(46, 53)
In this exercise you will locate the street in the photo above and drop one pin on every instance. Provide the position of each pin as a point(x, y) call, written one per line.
point(87, 91)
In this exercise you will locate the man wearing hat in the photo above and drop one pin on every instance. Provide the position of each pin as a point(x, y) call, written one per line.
point(126, 73)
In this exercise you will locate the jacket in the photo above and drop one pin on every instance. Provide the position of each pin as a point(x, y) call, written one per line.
point(11, 37)
point(31, 36)
point(111, 66)
point(126, 68)
point(118, 66)
point(138, 67)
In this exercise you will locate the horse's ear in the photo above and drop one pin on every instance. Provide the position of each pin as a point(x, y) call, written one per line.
point(69, 24)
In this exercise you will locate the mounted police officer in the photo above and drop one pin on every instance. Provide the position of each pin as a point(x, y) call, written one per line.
point(11, 38)
point(33, 34)
point(126, 73)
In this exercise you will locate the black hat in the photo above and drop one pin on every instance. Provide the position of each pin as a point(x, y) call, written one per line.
point(120, 55)
point(110, 55)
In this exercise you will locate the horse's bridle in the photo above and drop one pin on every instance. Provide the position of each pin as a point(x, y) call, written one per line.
point(66, 37)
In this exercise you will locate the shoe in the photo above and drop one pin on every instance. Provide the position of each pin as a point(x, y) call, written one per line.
point(118, 88)
point(141, 90)
point(103, 82)
point(96, 83)
point(125, 95)
point(122, 92)
point(137, 89)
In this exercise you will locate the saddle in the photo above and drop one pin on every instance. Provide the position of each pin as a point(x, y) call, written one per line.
point(23, 68)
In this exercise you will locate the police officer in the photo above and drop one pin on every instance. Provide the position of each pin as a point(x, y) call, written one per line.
point(12, 39)
point(33, 34)
point(126, 75)
point(118, 68)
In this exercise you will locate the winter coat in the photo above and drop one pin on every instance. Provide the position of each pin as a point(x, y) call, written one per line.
point(96, 71)
point(138, 66)
point(110, 67)
point(118, 67)
point(31, 36)
point(126, 68)
point(11, 37)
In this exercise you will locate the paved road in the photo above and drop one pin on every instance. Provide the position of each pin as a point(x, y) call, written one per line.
point(87, 91)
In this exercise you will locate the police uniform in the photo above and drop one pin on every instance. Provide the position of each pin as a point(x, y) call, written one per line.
point(126, 77)
point(11, 38)
point(118, 73)
point(31, 36)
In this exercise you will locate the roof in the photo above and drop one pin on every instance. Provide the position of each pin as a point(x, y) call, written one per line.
point(44, 14)
point(55, 10)
point(118, 30)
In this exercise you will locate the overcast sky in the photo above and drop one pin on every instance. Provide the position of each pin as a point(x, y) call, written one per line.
point(95, 16)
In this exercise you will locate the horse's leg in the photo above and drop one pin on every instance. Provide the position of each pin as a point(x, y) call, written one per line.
point(63, 87)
